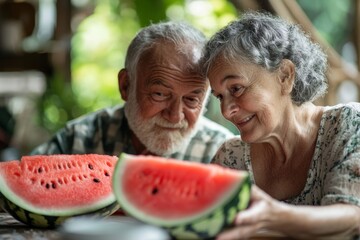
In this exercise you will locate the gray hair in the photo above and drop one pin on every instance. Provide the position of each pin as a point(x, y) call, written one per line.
point(179, 33)
point(266, 40)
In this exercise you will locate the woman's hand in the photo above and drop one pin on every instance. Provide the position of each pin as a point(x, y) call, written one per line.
point(257, 217)
point(337, 221)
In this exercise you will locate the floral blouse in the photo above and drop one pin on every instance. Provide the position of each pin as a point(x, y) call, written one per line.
point(334, 174)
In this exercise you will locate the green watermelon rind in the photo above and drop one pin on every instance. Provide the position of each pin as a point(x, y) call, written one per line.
point(18, 201)
point(50, 221)
point(174, 224)
point(212, 224)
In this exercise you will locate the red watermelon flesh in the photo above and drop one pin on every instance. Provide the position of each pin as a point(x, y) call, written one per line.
point(58, 184)
point(170, 189)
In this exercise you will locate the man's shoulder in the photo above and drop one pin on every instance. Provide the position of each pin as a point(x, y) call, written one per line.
point(203, 145)
point(104, 115)
point(86, 134)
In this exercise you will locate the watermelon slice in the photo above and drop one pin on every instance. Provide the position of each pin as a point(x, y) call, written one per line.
point(42, 191)
point(191, 200)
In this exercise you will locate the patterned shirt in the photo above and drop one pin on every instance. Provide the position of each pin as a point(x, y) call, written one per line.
point(107, 132)
point(334, 174)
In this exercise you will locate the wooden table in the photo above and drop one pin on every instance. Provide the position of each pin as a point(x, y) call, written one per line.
point(11, 229)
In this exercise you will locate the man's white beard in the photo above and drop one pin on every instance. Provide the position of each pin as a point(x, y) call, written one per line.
point(152, 133)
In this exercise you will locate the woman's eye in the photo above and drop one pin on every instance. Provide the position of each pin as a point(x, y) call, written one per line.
point(236, 91)
point(159, 96)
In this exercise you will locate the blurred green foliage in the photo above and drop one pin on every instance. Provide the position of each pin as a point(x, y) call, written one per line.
point(332, 18)
point(100, 42)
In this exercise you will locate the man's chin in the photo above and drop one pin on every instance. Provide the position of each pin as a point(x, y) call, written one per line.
point(167, 145)
point(164, 149)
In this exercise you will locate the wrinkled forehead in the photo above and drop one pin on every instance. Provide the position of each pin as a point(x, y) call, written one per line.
point(226, 56)
point(184, 56)
point(165, 63)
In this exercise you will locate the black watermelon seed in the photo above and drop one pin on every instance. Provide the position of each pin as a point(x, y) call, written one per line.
point(90, 166)
point(96, 180)
point(155, 191)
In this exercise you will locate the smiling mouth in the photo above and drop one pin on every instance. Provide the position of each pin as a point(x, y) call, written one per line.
point(245, 120)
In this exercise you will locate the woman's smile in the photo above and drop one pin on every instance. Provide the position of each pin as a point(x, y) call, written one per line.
point(244, 121)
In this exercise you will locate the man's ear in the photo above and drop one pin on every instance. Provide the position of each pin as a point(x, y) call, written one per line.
point(123, 82)
point(286, 76)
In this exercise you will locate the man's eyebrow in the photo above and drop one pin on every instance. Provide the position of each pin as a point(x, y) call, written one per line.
point(199, 90)
point(159, 82)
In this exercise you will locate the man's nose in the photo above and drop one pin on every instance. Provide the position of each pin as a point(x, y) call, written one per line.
point(174, 112)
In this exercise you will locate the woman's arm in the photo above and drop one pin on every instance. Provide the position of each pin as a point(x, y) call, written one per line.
point(311, 222)
point(320, 221)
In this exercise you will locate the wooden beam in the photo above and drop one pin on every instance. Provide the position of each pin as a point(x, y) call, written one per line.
point(62, 54)
point(357, 31)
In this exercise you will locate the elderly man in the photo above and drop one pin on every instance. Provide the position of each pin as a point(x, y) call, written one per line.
point(165, 96)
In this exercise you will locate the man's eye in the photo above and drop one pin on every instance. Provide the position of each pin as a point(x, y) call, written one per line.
point(192, 102)
point(159, 96)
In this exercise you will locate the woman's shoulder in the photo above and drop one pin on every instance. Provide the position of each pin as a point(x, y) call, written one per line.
point(347, 115)
point(339, 132)
point(234, 144)
point(235, 141)
point(351, 108)
point(233, 153)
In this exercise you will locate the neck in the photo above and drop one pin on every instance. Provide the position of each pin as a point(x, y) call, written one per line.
point(296, 138)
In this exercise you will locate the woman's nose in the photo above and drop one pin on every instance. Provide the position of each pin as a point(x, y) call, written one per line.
point(229, 108)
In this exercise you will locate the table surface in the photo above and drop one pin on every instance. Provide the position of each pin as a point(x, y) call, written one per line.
point(11, 229)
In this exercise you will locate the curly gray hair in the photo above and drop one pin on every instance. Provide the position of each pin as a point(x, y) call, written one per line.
point(179, 33)
point(265, 40)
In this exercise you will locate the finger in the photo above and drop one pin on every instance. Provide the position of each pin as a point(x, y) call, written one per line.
point(257, 193)
point(252, 215)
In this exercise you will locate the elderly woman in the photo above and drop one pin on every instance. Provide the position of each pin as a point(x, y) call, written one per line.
point(303, 159)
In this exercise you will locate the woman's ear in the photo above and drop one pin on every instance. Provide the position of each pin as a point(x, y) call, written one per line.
point(123, 83)
point(286, 76)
